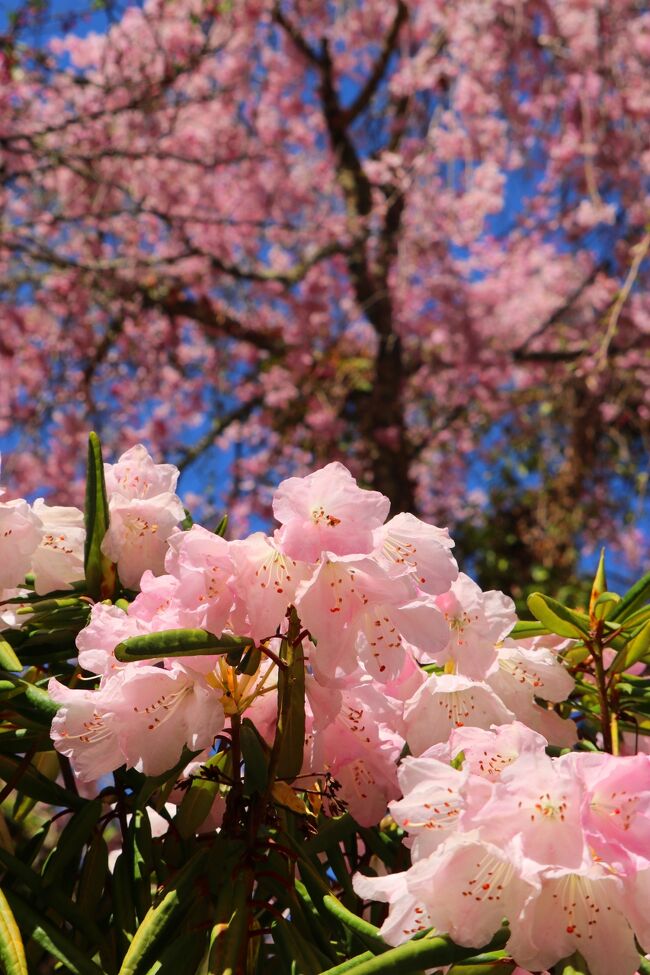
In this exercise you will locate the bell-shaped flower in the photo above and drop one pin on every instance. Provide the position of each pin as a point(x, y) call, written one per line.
point(264, 582)
point(202, 564)
point(524, 673)
point(616, 804)
point(143, 512)
point(449, 701)
point(163, 711)
point(468, 886)
point(359, 613)
point(327, 512)
point(539, 801)
point(478, 621)
point(576, 910)
point(360, 749)
point(86, 728)
point(136, 475)
point(411, 544)
point(432, 802)
point(21, 531)
point(59, 559)
point(137, 536)
point(488, 753)
point(406, 916)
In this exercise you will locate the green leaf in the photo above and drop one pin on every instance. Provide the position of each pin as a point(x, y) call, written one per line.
point(637, 649)
point(183, 955)
point(230, 933)
point(179, 643)
point(94, 875)
point(605, 604)
point(634, 599)
point(55, 900)
point(524, 629)
point(599, 585)
point(101, 576)
point(250, 662)
point(558, 618)
point(39, 702)
point(222, 527)
point(297, 948)
point(175, 899)
point(36, 786)
point(8, 658)
point(575, 965)
point(76, 833)
point(139, 849)
point(12, 952)
point(290, 733)
point(254, 754)
point(428, 952)
point(50, 938)
point(367, 933)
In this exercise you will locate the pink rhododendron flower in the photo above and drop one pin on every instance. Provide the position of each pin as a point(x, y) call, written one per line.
point(21, 531)
point(86, 728)
point(576, 910)
point(143, 512)
point(327, 512)
point(202, 563)
point(423, 549)
point(59, 558)
point(450, 701)
point(136, 475)
point(478, 621)
point(141, 716)
point(137, 536)
point(482, 884)
point(264, 582)
point(360, 613)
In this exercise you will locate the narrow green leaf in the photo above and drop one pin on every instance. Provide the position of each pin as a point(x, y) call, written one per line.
point(12, 952)
point(94, 875)
point(183, 955)
point(38, 700)
point(56, 900)
point(308, 961)
point(367, 933)
point(637, 649)
point(599, 585)
point(50, 938)
point(37, 786)
point(250, 662)
point(523, 629)
point(429, 952)
point(633, 600)
point(290, 732)
point(175, 899)
point(178, 643)
point(222, 527)
point(101, 574)
point(8, 658)
point(139, 849)
point(575, 965)
point(230, 932)
point(76, 833)
point(255, 758)
point(557, 618)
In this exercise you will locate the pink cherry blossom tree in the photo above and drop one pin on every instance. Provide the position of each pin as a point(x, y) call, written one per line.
point(413, 237)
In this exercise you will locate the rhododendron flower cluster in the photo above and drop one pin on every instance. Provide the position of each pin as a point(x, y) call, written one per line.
point(375, 598)
point(557, 846)
point(417, 695)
